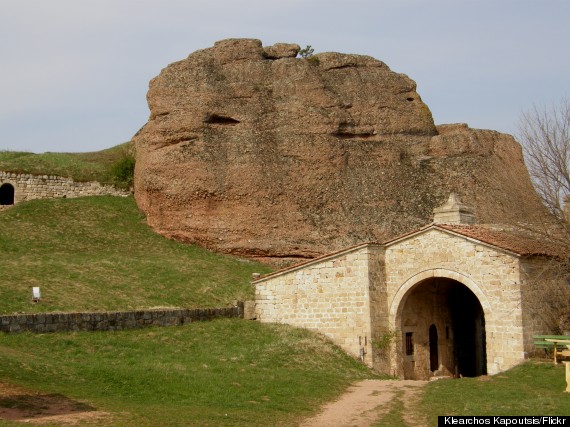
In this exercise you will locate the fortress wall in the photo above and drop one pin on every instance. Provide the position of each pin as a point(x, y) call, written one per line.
point(112, 321)
point(30, 187)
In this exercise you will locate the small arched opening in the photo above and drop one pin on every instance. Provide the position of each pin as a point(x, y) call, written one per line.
point(443, 330)
point(7, 194)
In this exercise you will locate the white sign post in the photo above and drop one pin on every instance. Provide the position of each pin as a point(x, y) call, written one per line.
point(36, 294)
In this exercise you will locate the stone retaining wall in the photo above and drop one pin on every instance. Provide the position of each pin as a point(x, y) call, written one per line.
point(112, 321)
point(29, 187)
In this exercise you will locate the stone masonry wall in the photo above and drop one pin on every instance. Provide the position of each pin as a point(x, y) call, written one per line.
point(29, 187)
point(329, 295)
point(111, 321)
point(379, 315)
point(493, 276)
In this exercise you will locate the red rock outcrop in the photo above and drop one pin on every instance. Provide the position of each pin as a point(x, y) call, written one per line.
point(252, 151)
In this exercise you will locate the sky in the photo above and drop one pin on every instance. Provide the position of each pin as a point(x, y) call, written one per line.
point(74, 73)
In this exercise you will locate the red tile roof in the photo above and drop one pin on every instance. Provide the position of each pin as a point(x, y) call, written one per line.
point(514, 241)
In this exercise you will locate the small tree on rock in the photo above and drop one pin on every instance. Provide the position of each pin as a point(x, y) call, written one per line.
point(307, 52)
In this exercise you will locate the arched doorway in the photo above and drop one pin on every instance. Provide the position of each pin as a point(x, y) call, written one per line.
point(469, 332)
point(6, 194)
point(441, 304)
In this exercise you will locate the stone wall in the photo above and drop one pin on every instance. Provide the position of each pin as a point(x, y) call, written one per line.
point(329, 295)
point(380, 321)
point(111, 321)
point(491, 274)
point(29, 187)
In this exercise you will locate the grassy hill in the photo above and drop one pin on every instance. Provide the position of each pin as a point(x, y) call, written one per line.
point(97, 253)
point(105, 166)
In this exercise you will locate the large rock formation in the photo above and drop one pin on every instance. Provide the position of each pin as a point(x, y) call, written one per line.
point(253, 151)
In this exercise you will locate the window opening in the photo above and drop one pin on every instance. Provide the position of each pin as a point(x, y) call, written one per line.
point(409, 344)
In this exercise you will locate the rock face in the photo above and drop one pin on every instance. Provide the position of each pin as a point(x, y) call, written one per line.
point(252, 151)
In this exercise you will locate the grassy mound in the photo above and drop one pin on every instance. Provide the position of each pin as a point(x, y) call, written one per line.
point(97, 253)
point(220, 373)
point(110, 166)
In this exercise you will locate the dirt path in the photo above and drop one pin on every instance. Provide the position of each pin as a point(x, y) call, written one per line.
point(366, 402)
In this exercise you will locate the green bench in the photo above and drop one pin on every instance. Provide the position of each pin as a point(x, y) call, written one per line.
point(560, 344)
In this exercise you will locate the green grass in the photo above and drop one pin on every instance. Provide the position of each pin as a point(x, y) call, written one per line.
point(97, 253)
point(95, 166)
point(219, 373)
point(533, 388)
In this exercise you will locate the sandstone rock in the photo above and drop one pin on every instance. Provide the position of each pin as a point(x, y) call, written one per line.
point(282, 50)
point(255, 152)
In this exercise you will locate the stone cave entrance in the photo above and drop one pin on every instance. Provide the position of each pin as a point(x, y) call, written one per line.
point(443, 331)
point(6, 194)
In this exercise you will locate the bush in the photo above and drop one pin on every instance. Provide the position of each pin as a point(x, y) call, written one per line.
point(307, 52)
point(123, 171)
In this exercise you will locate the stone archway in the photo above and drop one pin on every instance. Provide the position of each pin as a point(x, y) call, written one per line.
point(442, 322)
point(7, 194)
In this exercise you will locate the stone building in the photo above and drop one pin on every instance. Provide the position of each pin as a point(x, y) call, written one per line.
point(451, 298)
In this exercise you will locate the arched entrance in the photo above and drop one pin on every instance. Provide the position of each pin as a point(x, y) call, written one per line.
point(6, 194)
point(445, 322)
